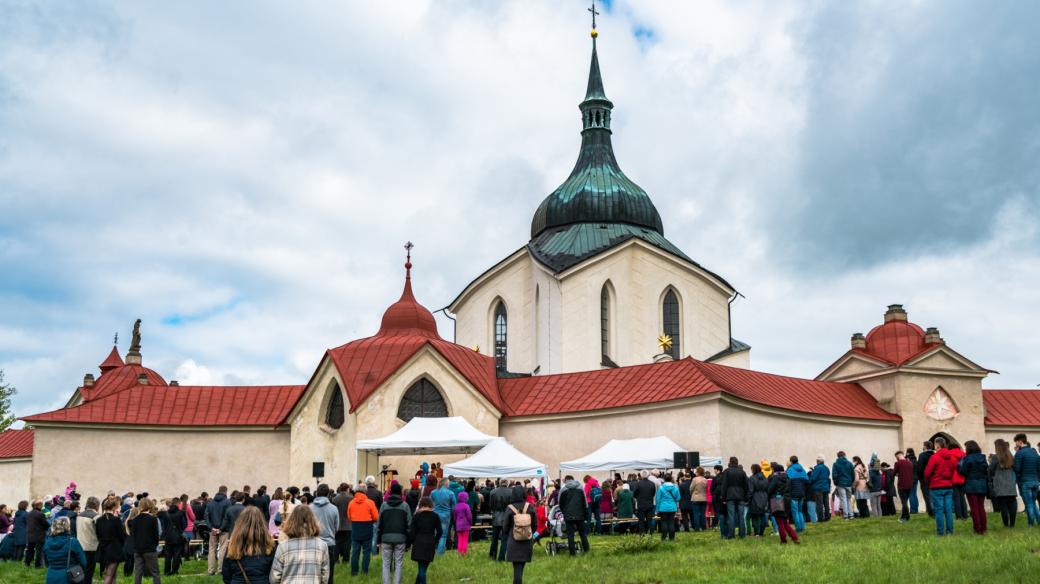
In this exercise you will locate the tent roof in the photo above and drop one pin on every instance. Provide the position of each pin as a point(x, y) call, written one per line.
point(498, 459)
point(430, 436)
point(637, 453)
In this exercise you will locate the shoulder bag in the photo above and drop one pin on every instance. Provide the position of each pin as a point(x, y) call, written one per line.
point(243, 570)
point(74, 574)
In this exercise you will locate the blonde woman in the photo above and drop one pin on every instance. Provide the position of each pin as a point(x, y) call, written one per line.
point(250, 550)
point(304, 557)
point(284, 512)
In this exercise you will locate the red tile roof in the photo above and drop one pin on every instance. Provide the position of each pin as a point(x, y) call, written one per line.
point(16, 443)
point(407, 326)
point(117, 380)
point(152, 405)
point(653, 383)
point(112, 361)
point(605, 388)
point(1012, 407)
point(829, 398)
point(896, 341)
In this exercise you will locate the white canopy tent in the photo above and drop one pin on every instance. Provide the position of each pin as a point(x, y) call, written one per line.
point(498, 459)
point(637, 453)
point(430, 436)
point(421, 436)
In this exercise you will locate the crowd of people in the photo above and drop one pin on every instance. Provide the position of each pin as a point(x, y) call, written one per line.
point(296, 536)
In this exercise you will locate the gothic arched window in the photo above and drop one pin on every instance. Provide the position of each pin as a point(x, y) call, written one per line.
point(604, 321)
point(422, 400)
point(670, 320)
point(501, 334)
point(334, 412)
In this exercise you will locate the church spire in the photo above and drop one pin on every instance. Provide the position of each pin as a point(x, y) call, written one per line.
point(595, 109)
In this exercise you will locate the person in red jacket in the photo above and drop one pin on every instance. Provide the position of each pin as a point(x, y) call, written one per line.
point(904, 474)
point(939, 474)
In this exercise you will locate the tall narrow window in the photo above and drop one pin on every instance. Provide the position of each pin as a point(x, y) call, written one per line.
point(422, 400)
point(501, 333)
point(334, 413)
point(604, 322)
point(670, 318)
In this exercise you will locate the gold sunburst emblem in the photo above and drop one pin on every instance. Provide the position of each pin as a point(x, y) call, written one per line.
point(665, 343)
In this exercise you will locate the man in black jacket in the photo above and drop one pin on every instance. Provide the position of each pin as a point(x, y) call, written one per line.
point(734, 488)
point(501, 497)
point(574, 508)
point(233, 511)
point(643, 493)
point(36, 533)
point(217, 539)
point(922, 463)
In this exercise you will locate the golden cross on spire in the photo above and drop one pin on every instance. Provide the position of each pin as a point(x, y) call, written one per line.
point(592, 9)
point(408, 251)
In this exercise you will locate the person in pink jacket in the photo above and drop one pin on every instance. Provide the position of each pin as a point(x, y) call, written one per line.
point(463, 522)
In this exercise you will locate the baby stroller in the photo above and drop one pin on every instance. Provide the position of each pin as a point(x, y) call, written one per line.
point(557, 538)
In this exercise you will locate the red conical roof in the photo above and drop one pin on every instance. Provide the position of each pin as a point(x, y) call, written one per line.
point(111, 362)
point(406, 316)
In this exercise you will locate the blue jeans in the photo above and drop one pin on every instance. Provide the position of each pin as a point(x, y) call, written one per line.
point(1028, 491)
point(420, 578)
point(735, 518)
point(364, 550)
point(445, 526)
point(758, 524)
point(593, 513)
point(722, 518)
point(796, 515)
point(913, 497)
point(810, 507)
point(844, 495)
point(699, 520)
point(942, 503)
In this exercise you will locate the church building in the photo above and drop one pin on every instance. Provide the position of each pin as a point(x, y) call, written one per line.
point(597, 328)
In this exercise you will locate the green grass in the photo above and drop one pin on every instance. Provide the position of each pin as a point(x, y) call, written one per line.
point(870, 551)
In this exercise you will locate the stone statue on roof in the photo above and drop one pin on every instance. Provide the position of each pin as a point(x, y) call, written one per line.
point(135, 339)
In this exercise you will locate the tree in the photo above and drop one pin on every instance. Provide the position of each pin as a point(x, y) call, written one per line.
point(7, 391)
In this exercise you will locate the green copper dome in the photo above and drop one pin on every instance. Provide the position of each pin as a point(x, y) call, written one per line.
point(596, 190)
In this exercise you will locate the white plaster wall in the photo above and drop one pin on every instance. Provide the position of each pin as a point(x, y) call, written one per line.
point(15, 476)
point(164, 462)
point(515, 285)
point(1032, 432)
point(558, 438)
point(639, 275)
point(913, 390)
point(752, 435)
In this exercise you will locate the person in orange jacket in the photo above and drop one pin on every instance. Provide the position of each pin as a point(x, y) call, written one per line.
point(363, 516)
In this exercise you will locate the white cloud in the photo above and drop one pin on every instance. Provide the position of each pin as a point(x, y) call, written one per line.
point(258, 172)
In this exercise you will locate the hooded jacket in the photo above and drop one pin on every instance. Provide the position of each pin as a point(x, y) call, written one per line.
point(758, 485)
point(975, 470)
point(941, 468)
point(214, 515)
point(395, 521)
point(668, 498)
point(463, 513)
point(572, 501)
point(734, 484)
point(842, 473)
point(799, 481)
point(958, 478)
point(328, 518)
point(363, 515)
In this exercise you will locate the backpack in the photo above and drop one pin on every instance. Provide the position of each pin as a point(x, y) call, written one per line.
point(596, 493)
point(521, 524)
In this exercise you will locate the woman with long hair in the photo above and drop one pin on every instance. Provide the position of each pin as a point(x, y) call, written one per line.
point(426, 531)
point(861, 486)
point(250, 551)
point(303, 558)
point(518, 552)
point(145, 529)
point(1002, 477)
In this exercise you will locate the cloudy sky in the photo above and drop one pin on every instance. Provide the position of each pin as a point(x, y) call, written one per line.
point(242, 176)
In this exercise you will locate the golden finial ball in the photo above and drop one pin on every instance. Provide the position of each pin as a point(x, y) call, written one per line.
point(595, 33)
